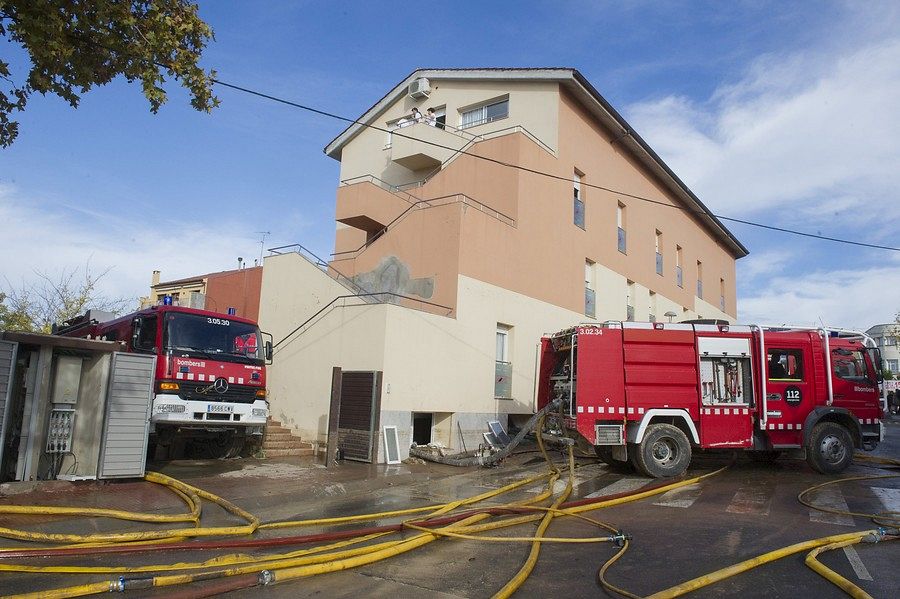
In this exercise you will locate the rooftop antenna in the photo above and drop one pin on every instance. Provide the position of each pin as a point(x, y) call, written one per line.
point(262, 243)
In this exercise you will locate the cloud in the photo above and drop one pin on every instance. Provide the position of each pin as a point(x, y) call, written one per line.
point(851, 298)
point(49, 237)
point(814, 131)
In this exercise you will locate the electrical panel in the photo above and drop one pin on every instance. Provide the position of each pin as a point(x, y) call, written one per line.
point(67, 380)
point(59, 432)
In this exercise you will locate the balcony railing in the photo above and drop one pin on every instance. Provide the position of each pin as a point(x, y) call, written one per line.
point(590, 303)
point(579, 213)
point(722, 302)
point(679, 277)
point(699, 288)
point(659, 263)
point(629, 313)
point(503, 380)
point(621, 240)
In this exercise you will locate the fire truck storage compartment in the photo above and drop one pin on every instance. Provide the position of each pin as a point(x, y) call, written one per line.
point(71, 408)
point(726, 376)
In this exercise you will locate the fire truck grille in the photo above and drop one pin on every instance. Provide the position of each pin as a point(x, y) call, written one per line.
point(234, 394)
point(609, 434)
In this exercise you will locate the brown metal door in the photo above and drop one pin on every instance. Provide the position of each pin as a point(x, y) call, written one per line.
point(359, 415)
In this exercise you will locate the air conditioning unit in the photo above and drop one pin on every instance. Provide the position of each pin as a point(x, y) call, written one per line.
point(420, 88)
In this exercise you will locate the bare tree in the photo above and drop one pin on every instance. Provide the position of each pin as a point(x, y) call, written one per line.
point(49, 299)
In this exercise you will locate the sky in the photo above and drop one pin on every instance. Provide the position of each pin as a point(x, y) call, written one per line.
point(782, 113)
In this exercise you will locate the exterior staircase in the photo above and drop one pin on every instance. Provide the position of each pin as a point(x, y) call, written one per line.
point(280, 441)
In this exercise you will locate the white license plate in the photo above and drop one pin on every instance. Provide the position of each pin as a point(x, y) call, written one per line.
point(219, 408)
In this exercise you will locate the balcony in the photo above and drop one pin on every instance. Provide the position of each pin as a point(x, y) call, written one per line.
point(421, 146)
point(590, 303)
point(621, 240)
point(679, 277)
point(659, 263)
point(503, 380)
point(369, 205)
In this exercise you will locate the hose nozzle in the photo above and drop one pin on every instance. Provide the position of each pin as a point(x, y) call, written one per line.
point(619, 538)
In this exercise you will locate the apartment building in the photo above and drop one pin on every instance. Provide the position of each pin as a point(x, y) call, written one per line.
point(523, 204)
point(887, 336)
point(228, 290)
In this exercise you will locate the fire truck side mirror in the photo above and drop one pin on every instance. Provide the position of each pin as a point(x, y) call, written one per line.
point(268, 351)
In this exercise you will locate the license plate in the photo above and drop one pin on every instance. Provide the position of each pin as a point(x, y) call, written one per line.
point(219, 408)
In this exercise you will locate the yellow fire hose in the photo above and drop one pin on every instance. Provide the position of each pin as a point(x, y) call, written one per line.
point(336, 556)
point(765, 558)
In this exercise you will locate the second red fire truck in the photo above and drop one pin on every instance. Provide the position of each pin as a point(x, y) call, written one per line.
point(649, 394)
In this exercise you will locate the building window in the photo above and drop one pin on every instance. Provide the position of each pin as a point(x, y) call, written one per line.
point(722, 294)
point(889, 341)
point(892, 365)
point(620, 223)
point(484, 114)
point(578, 200)
point(590, 298)
point(699, 279)
point(659, 256)
point(629, 302)
point(503, 367)
point(679, 272)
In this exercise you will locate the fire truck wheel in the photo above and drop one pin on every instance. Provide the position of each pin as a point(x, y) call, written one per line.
point(665, 451)
point(830, 448)
point(605, 454)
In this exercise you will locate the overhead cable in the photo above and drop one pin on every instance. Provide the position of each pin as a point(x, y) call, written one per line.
point(549, 175)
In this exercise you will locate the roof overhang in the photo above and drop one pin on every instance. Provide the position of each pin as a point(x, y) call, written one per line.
point(582, 90)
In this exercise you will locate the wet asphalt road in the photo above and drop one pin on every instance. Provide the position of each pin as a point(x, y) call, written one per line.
point(745, 511)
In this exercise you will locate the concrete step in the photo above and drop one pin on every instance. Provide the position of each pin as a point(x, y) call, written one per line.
point(271, 422)
point(293, 444)
point(277, 453)
point(280, 435)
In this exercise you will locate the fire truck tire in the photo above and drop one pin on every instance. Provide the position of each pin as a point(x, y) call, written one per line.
point(604, 452)
point(830, 448)
point(664, 451)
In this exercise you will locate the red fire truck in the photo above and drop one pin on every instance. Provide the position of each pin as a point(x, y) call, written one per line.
point(210, 372)
point(648, 394)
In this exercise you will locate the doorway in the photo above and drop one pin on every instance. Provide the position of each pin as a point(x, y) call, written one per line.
point(422, 423)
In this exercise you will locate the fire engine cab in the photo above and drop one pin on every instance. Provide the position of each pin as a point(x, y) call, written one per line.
point(648, 394)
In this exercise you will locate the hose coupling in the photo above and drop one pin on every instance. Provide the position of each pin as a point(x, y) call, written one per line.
point(875, 536)
point(266, 577)
point(619, 538)
point(117, 586)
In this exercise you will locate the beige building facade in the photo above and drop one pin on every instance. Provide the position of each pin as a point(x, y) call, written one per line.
point(489, 227)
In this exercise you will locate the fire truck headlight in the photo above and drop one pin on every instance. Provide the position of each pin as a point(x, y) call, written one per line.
point(261, 394)
point(169, 408)
point(260, 412)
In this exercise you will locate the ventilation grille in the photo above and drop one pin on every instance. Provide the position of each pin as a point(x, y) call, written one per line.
point(609, 434)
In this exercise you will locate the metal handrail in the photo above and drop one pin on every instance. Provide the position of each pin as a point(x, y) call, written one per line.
point(479, 138)
point(319, 263)
point(404, 195)
point(359, 295)
point(508, 220)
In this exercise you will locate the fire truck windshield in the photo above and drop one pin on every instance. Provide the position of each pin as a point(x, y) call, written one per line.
point(213, 337)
